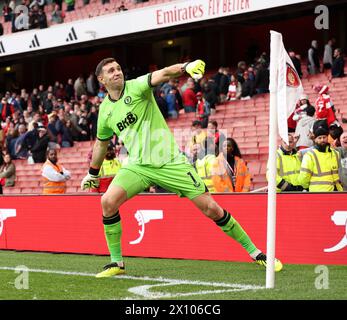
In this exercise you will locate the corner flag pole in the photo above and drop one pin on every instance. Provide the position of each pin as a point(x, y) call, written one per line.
point(273, 131)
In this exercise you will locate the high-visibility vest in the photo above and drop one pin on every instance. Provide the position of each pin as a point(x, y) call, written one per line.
point(53, 187)
point(109, 168)
point(319, 171)
point(288, 168)
point(223, 182)
point(203, 168)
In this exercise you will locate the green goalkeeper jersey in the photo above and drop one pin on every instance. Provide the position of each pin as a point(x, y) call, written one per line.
point(136, 119)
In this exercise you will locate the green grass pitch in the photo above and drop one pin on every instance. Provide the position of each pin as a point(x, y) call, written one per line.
point(71, 277)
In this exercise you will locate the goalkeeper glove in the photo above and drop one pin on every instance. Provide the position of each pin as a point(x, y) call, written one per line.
point(91, 180)
point(195, 69)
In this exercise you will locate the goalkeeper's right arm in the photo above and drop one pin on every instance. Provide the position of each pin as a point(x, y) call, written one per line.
point(91, 180)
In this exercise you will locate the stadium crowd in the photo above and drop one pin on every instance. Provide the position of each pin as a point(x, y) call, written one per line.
point(56, 116)
point(37, 12)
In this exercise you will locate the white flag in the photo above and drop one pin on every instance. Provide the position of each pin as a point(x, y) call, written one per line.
point(284, 81)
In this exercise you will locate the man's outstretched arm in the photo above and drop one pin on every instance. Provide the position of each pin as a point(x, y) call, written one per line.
point(195, 69)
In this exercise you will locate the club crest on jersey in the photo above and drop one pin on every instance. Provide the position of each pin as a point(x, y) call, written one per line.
point(130, 119)
point(127, 100)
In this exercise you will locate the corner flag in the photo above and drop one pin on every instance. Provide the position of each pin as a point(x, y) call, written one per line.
point(285, 91)
point(285, 81)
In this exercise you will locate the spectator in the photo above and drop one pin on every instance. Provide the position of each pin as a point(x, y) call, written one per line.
point(211, 93)
point(294, 117)
point(93, 121)
point(85, 133)
point(202, 110)
point(162, 104)
point(234, 89)
point(171, 103)
point(92, 85)
point(7, 173)
point(198, 135)
point(262, 78)
point(35, 99)
point(338, 65)
point(43, 116)
point(7, 12)
point(218, 76)
point(247, 87)
point(54, 175)
point(342, 150)
point(80, 87)
point(202, 163)
point(328, 55)
point(313, 66)
point(320, 165)
point(121, 152)
point(214, 139)
point(70, 5)
point(59, 3)
point(305, 120)
point(335, 131)
point(66, 137)
point(109, 169)
point(324, 106)
point(288, 166)
point(69, 89)
point(122, 7)
point(296, 61)
point(189, 98)
point(6, 109)
point(48, 103)
point(21, 147)
point(241, 68)
point(54, 129)
point(42, 19)
point(224, 85)
point(57, 15)
point(39, 150)
point(229, 170)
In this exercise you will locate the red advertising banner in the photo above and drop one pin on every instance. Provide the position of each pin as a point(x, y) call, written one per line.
point(311, 228)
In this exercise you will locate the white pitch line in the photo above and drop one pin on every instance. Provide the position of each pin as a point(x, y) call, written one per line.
point(144, 290)
point(159, 279)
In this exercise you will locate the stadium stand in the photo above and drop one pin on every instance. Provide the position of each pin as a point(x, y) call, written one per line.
point(93, 9)
point(246, 121)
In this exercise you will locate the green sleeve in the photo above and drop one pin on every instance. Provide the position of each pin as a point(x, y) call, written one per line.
point(143, 84)
point(104, 132)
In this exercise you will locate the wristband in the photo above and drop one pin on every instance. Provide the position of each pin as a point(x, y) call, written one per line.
point(183, 68)
point(94, 171)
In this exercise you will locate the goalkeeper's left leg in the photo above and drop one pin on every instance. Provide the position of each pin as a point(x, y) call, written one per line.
point(232, 228)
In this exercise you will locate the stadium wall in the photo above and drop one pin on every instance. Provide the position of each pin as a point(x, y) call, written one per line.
point(165, 226)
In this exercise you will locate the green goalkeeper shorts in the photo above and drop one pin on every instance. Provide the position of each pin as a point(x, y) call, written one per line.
point(180, 178)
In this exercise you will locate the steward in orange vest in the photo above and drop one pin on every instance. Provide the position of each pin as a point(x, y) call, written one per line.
point(54, 175)
point(229, 170)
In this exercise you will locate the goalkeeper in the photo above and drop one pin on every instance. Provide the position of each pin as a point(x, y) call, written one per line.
point(129, 110)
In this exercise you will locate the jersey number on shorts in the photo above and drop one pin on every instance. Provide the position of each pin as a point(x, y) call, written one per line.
point(196, 184)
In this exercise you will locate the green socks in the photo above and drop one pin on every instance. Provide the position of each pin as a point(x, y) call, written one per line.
point(233, 229)
point(113, 232)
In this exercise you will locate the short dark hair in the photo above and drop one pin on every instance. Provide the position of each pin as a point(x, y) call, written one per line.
point(214, 123)
point(196, 123)
point(101, 64)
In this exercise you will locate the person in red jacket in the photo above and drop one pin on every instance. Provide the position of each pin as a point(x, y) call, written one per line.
point(324, 106)
point(189, 98)
point(7, 110)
